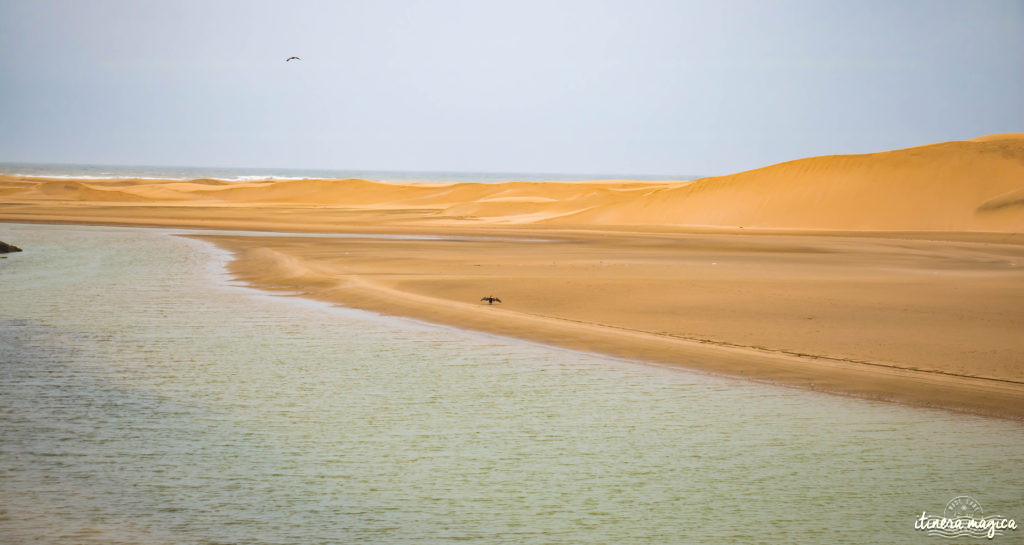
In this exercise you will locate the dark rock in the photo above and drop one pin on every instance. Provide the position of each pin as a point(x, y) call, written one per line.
point(8, 248)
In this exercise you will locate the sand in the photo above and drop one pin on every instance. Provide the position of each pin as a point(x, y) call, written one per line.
point(896, 276)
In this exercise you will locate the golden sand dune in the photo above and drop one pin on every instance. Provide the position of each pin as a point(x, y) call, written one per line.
point(499, 202)
point(975, 185)
point(65, 190)
point(955, 186)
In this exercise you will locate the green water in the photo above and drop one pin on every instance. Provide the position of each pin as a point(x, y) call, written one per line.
point(145, 398)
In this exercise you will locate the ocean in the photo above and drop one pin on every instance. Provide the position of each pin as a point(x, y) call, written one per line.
point(243, 174)
point(146, 397)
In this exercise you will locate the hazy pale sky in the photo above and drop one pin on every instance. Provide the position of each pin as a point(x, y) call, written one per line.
point(630, 87)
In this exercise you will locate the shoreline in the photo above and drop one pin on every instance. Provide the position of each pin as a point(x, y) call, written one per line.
point(984, 237)
point(265, 264)
point(297, 265)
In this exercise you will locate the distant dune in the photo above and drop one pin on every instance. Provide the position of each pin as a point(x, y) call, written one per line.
point(975, 185)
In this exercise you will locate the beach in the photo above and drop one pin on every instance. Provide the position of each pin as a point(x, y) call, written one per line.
point(511, 273)
point(895, 276)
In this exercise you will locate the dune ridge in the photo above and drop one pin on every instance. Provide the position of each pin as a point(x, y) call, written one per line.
point(953, 186)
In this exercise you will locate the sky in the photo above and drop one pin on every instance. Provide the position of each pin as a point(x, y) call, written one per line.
point(616, 87)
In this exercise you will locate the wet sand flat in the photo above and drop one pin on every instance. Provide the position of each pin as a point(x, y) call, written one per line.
point(924, 322)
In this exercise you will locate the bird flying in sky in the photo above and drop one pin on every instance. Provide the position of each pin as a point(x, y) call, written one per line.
point(292, 59)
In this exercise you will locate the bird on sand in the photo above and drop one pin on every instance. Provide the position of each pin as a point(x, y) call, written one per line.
point(292, 59)
point(490, 299)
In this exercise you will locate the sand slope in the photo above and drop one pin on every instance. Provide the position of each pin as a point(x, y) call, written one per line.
point(955, 186)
